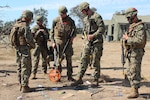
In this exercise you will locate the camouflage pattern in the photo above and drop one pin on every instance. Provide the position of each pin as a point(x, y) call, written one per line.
point(23, 56)
point(60, 31)
point(136, 42)
point(83, 6)
point(62, 10)
point(27, 14)
point(40, 39)
point(97, 29)
point(39, 18)
point(131, 12)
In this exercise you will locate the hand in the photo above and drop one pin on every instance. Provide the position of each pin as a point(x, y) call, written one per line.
point(82, 37)
point(90, 37)
point(125, 36)
point(40, 31)
point(53, 45)
point(43, 31)
point(71, 41)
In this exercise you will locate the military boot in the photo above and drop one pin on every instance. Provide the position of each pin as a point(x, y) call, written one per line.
point(134, 93)
point(95, 82)
point(77, 82)
point(25, 89)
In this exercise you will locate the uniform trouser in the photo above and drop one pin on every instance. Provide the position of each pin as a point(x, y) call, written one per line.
point(134, 68)
point(23, 59)
point(68, 56)
point(97, 53)
point(69, 66)
point(36, 58)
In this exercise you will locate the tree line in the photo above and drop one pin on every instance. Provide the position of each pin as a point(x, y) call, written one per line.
point(5, 27)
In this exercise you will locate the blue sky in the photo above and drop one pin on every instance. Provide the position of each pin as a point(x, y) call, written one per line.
point(106, 8)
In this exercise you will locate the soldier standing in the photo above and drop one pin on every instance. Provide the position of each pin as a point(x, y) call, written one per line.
point(135, 41)
point(41, 36)
point(62, 26)
point(94, 28)
point(24, 43)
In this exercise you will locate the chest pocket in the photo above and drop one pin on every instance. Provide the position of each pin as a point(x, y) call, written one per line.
point(61, 29)
point(93, 25)
point(67, 26)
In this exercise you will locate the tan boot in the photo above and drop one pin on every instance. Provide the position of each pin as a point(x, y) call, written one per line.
point(95, 82)
point(78, 82)
point(34, 76)
point(134, 93)
point(25, 89)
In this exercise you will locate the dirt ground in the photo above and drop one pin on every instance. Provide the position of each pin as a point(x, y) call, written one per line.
point(112, 86)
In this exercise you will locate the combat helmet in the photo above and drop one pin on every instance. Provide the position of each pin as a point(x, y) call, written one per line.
point(27, 14)
point(62, 10)
point(131, 12)
point(83, 5)
point(39, 18)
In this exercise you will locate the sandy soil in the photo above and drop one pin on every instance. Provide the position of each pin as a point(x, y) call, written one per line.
point(112, 86)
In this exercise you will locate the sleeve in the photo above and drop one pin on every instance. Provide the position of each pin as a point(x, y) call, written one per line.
point(52, 30)
point(29, 37)
point(84, 26)
point(139, 36)
point(34, 31)
point(100, 25)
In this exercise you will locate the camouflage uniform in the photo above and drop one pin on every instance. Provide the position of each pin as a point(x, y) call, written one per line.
point(135, 47)
point(40, 38)
point(136, 43)
point(23, 56)
point(97, 28)
point(96, 25)
point(61, 29)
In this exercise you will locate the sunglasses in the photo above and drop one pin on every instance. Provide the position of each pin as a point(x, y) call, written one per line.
point(128, 17)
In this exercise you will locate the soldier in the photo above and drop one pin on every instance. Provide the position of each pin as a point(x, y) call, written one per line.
point(24, 43)
point(94, 28)
point(41, 36)
point(135, 41)
point(62, 26)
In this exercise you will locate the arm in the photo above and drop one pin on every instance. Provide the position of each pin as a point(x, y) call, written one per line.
point(100, 25)
point(52, 33)
point(52, 30)
point(139, 37)
point(29, 37)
